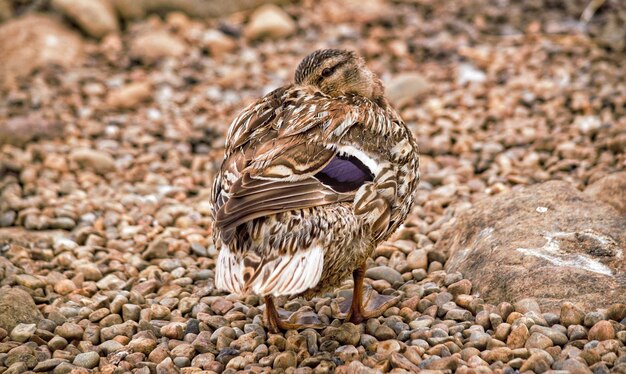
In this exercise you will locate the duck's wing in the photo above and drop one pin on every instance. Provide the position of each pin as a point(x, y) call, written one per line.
point(281, 155)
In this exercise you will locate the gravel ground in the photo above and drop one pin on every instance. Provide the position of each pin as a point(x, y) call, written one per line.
point(106, 261)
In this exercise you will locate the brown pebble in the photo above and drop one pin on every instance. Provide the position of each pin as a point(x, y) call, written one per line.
point(602, 330)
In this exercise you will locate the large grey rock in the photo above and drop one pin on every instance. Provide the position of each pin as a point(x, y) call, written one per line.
point(17, 306)
point(547, 241)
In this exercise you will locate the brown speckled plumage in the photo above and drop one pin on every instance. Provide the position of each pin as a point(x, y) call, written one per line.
point(284, 227)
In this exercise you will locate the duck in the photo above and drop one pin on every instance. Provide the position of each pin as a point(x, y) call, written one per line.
point(315, 175)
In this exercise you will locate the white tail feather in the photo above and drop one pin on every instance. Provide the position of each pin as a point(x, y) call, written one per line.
point(286, 275)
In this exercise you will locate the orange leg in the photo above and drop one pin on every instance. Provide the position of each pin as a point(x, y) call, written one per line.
point(301, 319)
point(365, 303)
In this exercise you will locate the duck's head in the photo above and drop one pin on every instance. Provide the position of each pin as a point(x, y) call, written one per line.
point(338, 72)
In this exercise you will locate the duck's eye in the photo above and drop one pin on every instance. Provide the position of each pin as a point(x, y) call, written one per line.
point(327, 72)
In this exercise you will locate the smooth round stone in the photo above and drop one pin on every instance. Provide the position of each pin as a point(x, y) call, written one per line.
point(87, 360)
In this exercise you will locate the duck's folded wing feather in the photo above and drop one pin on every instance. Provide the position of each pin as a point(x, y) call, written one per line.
point(254, 198)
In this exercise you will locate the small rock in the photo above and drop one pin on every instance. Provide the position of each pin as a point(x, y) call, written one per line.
point(459, 315)
point(538, 340)
point(158, 311)
point(57, 343)
point(417, 259)
point(527, 305)
point(87, 360)
point(574, 366)
point(557, 337)
point(96, 17)
point(128, 97)
point(110, 346)
point(110, 282)
point(518, 336)
point(69, 331)
point(269, 21)
point(22, 332)
point(218, 43)
point(64, 287)
point(347, 353)
point(48, 365)
point(167, 366)
point(462, 287)
point(445, 363)
point(152, 46)
point(617, 312)
point(403, 88)
point(384, 333)
point(143, 345)
point(469, 74)
point(29, 281)
point(385, 273)
point(346, 334)
point(538, 362)
point(571, 314)
point(92, 159)
point(156, 249)
point(17, 368)
point(285, 360)
point(387, 347)
point(173, 330)
point(602, 330)
point(183, 350)
point(131, 312)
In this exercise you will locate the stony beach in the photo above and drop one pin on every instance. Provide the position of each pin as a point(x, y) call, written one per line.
point(512, 260)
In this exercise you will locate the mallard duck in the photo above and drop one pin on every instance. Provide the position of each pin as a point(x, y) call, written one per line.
point(315, 174)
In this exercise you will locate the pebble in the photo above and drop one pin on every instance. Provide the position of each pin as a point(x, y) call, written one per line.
point(48, 365)
point(151, 46)
point(129, 96)
point(29, 281)
point(87, 360)
point(384, 273)
point(539, 341)
point(571, 315)
point(92, 159)
point(527, 305)
point(96, 17)
point(347, 353)
point(269, 21)
point(417, 259)
point(346, 334)
point(64, 287)
point(23, 331)
point(518, 336)
point(69, 331)
point(538, 362)
point(602, 330)
point(285, 360)
point(405, 87)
